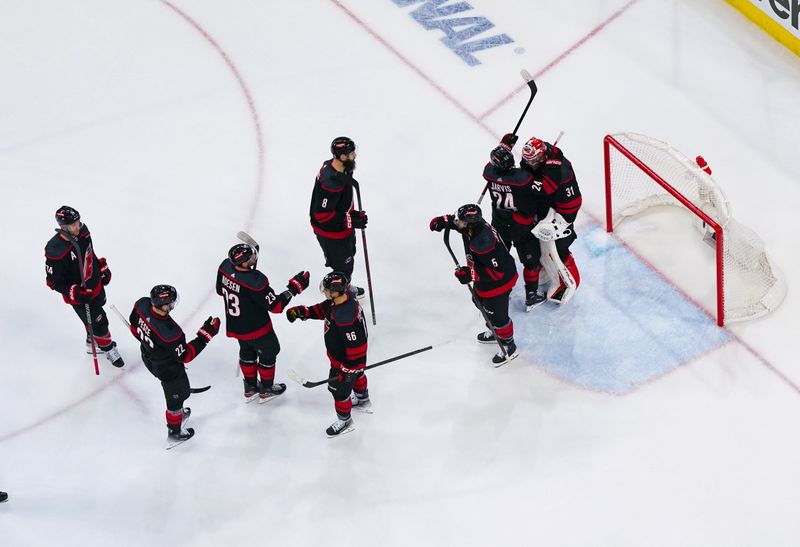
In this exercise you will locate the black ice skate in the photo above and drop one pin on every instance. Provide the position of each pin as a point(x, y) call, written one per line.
point(340, 427)
point(486, 337)
point(361, 402)
point(177, 436)
point(266, 394)
point(511, 353)
point(533, 300)
point(250, 390)
point(113, 355)
point(3, 497)
point(360, 293)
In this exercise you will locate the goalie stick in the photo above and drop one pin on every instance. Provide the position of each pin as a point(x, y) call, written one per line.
point(306, 383)
point(532, 85)
point(122, 318)
point(81, 269)
point(474, 296)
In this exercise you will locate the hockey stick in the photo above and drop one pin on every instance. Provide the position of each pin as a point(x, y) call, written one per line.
point(474, 296)
point(81, 265)
point(122, 318)
point(366, 254)
point(305, 383)
point(532, 85)
point(244, 236)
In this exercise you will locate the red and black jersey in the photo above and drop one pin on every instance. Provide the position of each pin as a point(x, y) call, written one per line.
point(164, 347)
point(345, 333)
point(331, 203)
point(559, 184)
point(248, 301)
point(516, 196)
point(493, 269)
point(63, 264)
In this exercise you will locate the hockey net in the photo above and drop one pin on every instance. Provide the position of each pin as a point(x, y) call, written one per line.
point(642, 172)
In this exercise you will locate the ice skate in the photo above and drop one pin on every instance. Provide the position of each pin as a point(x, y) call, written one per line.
point(177, 436)
point(340, 427)
point(250, 391)
point(486, 337)
point(113, 356)
point(266, 394)
point(361, 403)
point(511, 353)
point(533, 300)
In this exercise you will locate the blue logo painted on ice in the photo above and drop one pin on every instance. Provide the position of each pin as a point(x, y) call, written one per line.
point(436, 14)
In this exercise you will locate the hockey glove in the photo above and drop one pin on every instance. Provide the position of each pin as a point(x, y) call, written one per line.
point(509, 139)
point(105, 272)
point(298, 283)
point(359, 219)
point(297, 312)
point(209, 329)
point(463, 274)
point(77, 295)
point(440, 223)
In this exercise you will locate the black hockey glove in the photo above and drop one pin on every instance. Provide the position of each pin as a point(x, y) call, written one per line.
point(209, 329)
point(463, 274)
point(359, 219)
point(78, 295)
point(440, 223)
point(297, 312)
point(509, 140)
point(105, 272)
point(298, 283)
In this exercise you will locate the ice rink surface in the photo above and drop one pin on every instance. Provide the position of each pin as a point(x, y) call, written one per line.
point(630, 419)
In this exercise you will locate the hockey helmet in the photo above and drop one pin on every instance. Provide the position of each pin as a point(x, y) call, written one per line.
point(342, 145)
point(334, 282)
point(469, 214)
point(502, 158)
point(533, 152)
point(241, 253)
point(164, 295)
point(67, 215)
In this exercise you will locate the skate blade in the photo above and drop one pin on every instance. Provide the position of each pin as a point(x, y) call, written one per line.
point(534, 306)
point(486, 341)
point(262, 400)
point(344, 431)
point(171, 443)
point(248, 400)
point(363, 410)
point(508, 360)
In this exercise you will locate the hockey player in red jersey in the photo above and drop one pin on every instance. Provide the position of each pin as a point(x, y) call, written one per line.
point(492, 269)
point(165, 352)
point(556, 231)
point(69, 255)
point(248, 301)
point(516, 202)
point(346, 344)
point(333, 215)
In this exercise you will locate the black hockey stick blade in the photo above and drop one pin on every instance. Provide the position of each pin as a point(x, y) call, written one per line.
point(199, 389)
point(306, 383)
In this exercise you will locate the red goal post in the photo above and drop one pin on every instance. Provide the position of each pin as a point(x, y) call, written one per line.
point(642, 172)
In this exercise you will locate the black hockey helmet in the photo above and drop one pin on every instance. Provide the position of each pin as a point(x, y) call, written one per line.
point(163, 295)
point(469, 214)
point(502, 158)
point(241, 253)
point(335, 282)
point(67, 215)
point(342, 145)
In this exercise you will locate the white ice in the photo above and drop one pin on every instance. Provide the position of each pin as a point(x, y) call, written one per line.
point(172, 126)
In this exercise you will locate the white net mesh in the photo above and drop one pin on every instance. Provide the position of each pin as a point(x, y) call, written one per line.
point(751, 284)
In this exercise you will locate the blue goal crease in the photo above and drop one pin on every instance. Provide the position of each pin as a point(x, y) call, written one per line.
point(625, 326)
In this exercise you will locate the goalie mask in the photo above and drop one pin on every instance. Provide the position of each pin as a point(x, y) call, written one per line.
point(533, 152)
